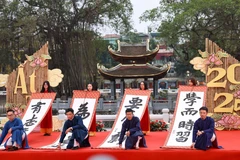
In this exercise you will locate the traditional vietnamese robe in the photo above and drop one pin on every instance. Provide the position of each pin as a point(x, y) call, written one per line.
point(46, 123)
point(133, 126)
point(203, 141)
point(17, 133)
point(79, 132)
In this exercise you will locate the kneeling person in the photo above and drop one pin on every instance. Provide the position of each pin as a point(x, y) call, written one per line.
point(75, 125)
point(18, 138)
point(131, 128)
point(204, 135)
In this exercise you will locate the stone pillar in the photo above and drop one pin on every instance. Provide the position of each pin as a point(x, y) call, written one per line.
point(165, 115)
point(122, 87)
point(155, 88)
point(62, 117)
point(146, 80)
point(113, 89)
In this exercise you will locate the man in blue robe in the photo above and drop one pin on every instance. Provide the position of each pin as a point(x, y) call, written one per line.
point(75, 125)
point(14, 126)
point(131, 128)
point(204, 135)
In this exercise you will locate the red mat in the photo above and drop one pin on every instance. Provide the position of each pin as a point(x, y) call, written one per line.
point(228, 139)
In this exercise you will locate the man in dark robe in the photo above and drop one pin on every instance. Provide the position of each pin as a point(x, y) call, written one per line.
point(204, 135)
point(18, 138)
point(75, 125)
point(131, 128)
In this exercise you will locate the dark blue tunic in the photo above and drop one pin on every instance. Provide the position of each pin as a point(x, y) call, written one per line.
point(204, 140)
point(79, 132)
point(17, 132)
point(133, 126)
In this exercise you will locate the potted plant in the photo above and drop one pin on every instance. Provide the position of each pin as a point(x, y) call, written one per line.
point(99, 126)
point(158, 125)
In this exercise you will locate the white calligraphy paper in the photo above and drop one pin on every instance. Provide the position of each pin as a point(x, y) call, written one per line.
point(139, 108)
point(186, 113)
point(83, 107)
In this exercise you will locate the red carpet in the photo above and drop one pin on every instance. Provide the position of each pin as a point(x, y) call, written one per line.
point(228, 139)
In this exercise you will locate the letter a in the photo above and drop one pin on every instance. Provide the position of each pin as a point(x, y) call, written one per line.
point(23, 82)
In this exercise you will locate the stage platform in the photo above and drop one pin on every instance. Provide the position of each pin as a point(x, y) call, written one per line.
point(228, 139)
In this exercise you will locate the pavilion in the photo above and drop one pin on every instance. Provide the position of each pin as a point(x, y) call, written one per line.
point(134, 63)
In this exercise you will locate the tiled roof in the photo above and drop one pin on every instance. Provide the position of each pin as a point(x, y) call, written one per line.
point(112, 36)
point(134, 71)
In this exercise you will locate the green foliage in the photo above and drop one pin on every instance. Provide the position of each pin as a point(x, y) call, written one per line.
point(163, 93)
point(102, 54)
point(185, 25)
point(216, 117)
point(152, 44)
point(131, 37)
point(70, 27)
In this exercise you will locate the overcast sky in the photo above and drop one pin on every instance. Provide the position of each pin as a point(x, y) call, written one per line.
point(139, 6)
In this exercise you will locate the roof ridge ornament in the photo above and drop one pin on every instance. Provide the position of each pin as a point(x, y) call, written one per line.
point(119, 46)
point(147, 45)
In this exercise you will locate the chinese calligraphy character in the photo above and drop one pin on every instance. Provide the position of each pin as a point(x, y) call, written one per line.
point(83, 111)
point(189, 111)
point(191, 98)
point(135, 103)
point(123, 119)
point(31, 121)
point(37, 107)
point(115, 138)
point(189, 125)
point(181, 124)
point(183, 136)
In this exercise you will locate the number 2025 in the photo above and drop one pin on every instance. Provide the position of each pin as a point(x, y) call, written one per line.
point(229, 97)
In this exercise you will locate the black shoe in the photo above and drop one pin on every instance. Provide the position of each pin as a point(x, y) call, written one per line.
point(9, 147)
point(47, 134)
point(85, 143)
point(75, 148)
point(13, 148)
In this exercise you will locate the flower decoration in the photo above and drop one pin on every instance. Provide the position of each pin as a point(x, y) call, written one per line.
point(3, 79)
point(213, 59)
point(99, 126)
point(55, 76)
point(226, 121)
point(230, 121)
point(236, 88)
point(201, 63)
point(18, 108)
point(237, 94)
point(158, 125)
point(18, 112)
point(38, 61)
point(198, 64)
